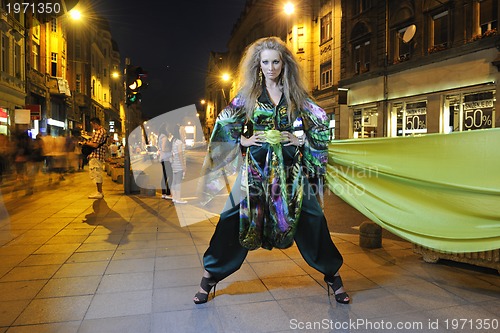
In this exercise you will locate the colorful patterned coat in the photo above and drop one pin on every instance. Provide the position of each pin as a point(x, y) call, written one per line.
point(272, 175)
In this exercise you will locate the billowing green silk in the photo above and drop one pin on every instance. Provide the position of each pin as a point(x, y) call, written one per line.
point(441, 191)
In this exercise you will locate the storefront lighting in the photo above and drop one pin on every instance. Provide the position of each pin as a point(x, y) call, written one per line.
point(56, 123)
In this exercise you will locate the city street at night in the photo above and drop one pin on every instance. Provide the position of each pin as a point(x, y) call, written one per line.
point(232, 166)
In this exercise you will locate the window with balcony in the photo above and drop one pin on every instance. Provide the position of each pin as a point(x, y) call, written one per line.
point(5, 54)
point(326, 27)
point(53, 24)
point(17, 60)
point(488, 15)
point(78, 83)
point(300, 39)
point(53, 68)
point(360, 43)
point(78, 49)
point(326, 75)
point(402, 50)
point(36, 56)
point(362, 57)
point(439, 30)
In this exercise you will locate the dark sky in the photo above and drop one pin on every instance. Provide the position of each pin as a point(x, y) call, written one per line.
point(171, 40)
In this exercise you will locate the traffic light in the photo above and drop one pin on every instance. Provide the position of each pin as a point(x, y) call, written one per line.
point(135, 83)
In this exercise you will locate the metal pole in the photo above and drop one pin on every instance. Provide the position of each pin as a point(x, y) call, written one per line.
point(126, 163)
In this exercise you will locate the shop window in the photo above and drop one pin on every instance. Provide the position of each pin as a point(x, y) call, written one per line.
point(331, 125)
point(478, 111)
point(409, 118)
point(326, 27)
point(326, 75)
point(469, 111)
point(439, 32)
point(365, 122)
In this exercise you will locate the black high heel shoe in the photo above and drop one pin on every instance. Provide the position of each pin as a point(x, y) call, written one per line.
point(206, 284)
point(336, 284)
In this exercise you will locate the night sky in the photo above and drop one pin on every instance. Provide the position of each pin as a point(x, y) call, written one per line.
point(171, 40)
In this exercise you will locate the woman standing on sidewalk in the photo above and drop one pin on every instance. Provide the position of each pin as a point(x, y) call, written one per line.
point(165, 146)
point(178, 164)
point(272, 203)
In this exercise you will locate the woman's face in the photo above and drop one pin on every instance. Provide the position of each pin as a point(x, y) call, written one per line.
point(271, 64)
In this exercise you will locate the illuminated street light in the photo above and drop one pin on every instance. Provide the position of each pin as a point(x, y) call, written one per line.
point(289, 8)
point(75, 14)
point(226, 77)
point(203, 102)
point(115, 75)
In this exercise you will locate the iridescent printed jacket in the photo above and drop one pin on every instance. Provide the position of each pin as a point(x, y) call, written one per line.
point(272, 176)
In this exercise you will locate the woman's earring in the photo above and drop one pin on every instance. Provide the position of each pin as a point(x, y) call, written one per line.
point(260, 76)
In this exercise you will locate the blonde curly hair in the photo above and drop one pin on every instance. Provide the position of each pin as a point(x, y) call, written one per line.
point(291, 77)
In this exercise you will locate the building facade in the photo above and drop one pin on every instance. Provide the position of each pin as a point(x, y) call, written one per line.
point(62, 70)
point(416, 67)
point(387, 68)
point(12, 69)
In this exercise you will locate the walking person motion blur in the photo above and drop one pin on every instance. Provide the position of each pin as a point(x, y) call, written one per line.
point(37, 159)
point(272, 203)
point(97, 156)
point(178, 164)
point(22, 156)
point(165, 145)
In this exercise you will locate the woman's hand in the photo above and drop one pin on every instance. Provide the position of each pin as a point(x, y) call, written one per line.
point(255, 140)
point(290, 139)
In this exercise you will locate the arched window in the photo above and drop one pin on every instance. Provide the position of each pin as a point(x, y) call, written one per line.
point(361, 48)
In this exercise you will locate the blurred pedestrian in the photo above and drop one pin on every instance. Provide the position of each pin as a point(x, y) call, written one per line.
point(5, 152)
point(165, 148)
point(274, 203)
point(97, 156)
point(48, 149)
point(113, 150)
point(22, 155)
point(178, 163)
point(37, 160)
point(60, 157)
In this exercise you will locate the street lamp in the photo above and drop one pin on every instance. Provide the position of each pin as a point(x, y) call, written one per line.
point(75, 14)
point(226, 77)
point(289, 8)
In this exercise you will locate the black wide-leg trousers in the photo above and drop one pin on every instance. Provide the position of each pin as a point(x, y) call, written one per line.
point(225, 255)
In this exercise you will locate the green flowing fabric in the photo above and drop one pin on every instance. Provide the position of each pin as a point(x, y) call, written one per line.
point(441, 191)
